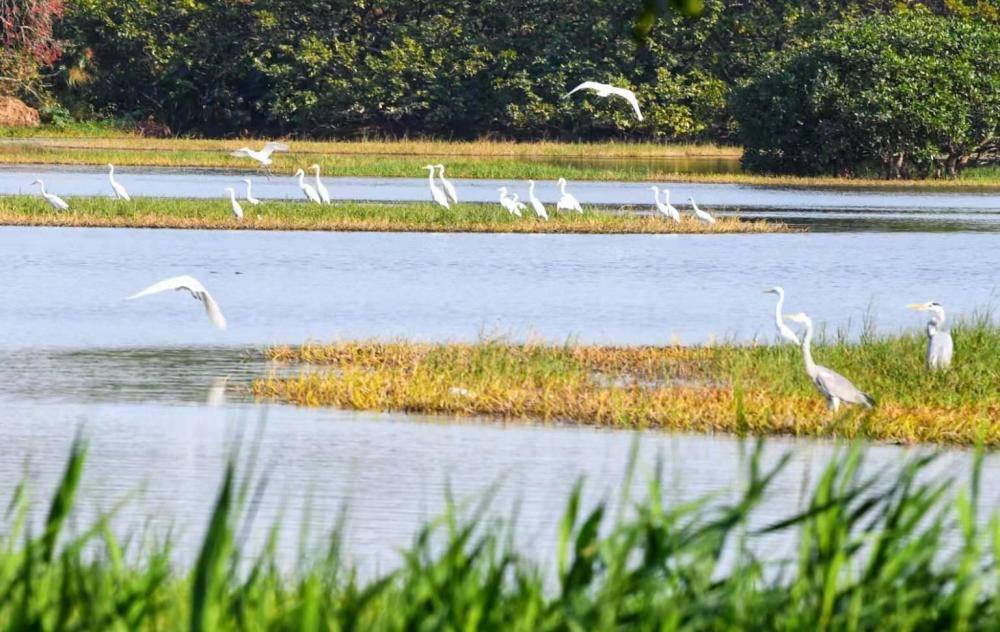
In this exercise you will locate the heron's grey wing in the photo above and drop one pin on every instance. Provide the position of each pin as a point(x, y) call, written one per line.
point(836, 385)
point(940, 348)
point(212, 309)
point(173, 283)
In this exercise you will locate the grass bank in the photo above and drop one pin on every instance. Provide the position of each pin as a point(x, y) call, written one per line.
point(898, 549)
point(346, 216)
point(542, 160)
point(761, 390)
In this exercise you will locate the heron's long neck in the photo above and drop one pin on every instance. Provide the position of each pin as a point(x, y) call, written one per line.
point(937, 321)
point(807, 356)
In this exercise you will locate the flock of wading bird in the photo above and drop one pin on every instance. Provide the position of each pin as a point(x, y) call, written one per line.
point(833, 386)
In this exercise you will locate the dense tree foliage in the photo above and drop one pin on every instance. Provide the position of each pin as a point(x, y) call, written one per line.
point(904, 96)
point(27, 42)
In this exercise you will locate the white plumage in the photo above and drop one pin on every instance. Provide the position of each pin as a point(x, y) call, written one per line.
point(250, 198)
point(307, 189)
point(536, 204)
point(437, 194)
point(194, 287)
point(567, 202)
point(320, 187)
point(119, 190)
point(606, 90)
point(237, 209)
point(263, 156)
point(448, 186)
point(54, 200)
point(700, 214)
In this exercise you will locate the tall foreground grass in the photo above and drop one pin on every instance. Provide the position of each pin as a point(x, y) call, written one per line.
point(893, 550)
point(756, 389)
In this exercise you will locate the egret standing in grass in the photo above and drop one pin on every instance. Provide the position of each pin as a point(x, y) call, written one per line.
point(664, 207)
point(263, 157)
point(194, 287)
point(606, 90)
point(119, 190)
point(320, 187)
point(519, 205)
point(237, 209)
point(448, 186)
point(567, 202)
point(831, 385)
point(784, 331)
point(508, 202)
point(307, 189)
point(54, 200)
point(940, 346)
point(250, 198)
point(700, 214)
point(536, 204)
point(436, 193)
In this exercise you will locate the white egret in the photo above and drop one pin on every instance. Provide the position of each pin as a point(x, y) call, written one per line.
point(664, 207)
point(250, 198)
point(605, 90)
point(832, 385)
point(237, 209)
point(448, 186)
point(700, 214)
point(320, 187)
point(536, 204)
point(784, 330)
point(307, 189)
point(940, 346)
point(119, 190)
point(519, 205)
point(194, 287)
point(566, 200)
point(507, 202)
point(54, 200)
point(263, 156)
point(671, 209)
point(436, 193)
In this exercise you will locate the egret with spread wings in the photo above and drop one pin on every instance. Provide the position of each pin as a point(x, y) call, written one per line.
point(194, 287)
point(605, 90)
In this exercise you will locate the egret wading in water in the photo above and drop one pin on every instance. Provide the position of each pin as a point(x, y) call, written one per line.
point(940, 346)
point(263, 157)
point(324, 195)
point(119, 190)
point(536, 204)
point(307, 189)
point(194, 287)
point(250, 198)
point(437, 194)
point(237, 209)
point(567, 202)
point(54, 200)
point(664, 207)
point(784, 331)
point(448, 186)
point(606, 90)
point(831, 385)
point(700, 214)
point(508, 202)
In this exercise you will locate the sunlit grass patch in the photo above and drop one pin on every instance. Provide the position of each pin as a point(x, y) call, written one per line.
point(755, 389)
point(347, 216)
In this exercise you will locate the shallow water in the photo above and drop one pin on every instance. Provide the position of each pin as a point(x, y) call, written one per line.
point(153, 182)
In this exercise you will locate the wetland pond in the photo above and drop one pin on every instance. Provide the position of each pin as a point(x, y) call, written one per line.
point(160, 393)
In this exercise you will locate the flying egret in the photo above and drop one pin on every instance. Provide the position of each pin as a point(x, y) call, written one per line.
point(120, 192)
point(436, 191)
point(784, 330)
point(448, 186)
point(536, 204)
point(320, 188)
point(307, 189)
point(250, 198)
point(195, 288)
point(237, 209)
point(664, 207)
point(700, 214)
point(263, 156)
point(940, 346)
point(605, 90)
point(832, 385)
point(566, 200)
point(54, 200)
point(507, 202)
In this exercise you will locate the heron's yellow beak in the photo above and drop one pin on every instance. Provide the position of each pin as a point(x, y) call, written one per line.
point(920, 307)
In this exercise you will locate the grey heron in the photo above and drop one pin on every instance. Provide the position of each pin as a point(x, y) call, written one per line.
point(437, 193)
point(448, 186)
point(567, 202)
point(54, 200)
point(324, 195)
point(307, 189)
point(606, 90)
point(940, 346)
point(119, 190)
point(536, 204)
point(832, 385)
point(194, 287)
point(783, 330)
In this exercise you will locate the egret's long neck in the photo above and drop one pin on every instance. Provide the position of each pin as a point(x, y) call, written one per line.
point(531, 189)
point(807, 356)
point(562, 187)
point(249, 188)
point(111, 171)
point(777, 309)
point(666, 197)
point(42, 185)
point(430, 176)
point(302, 178)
